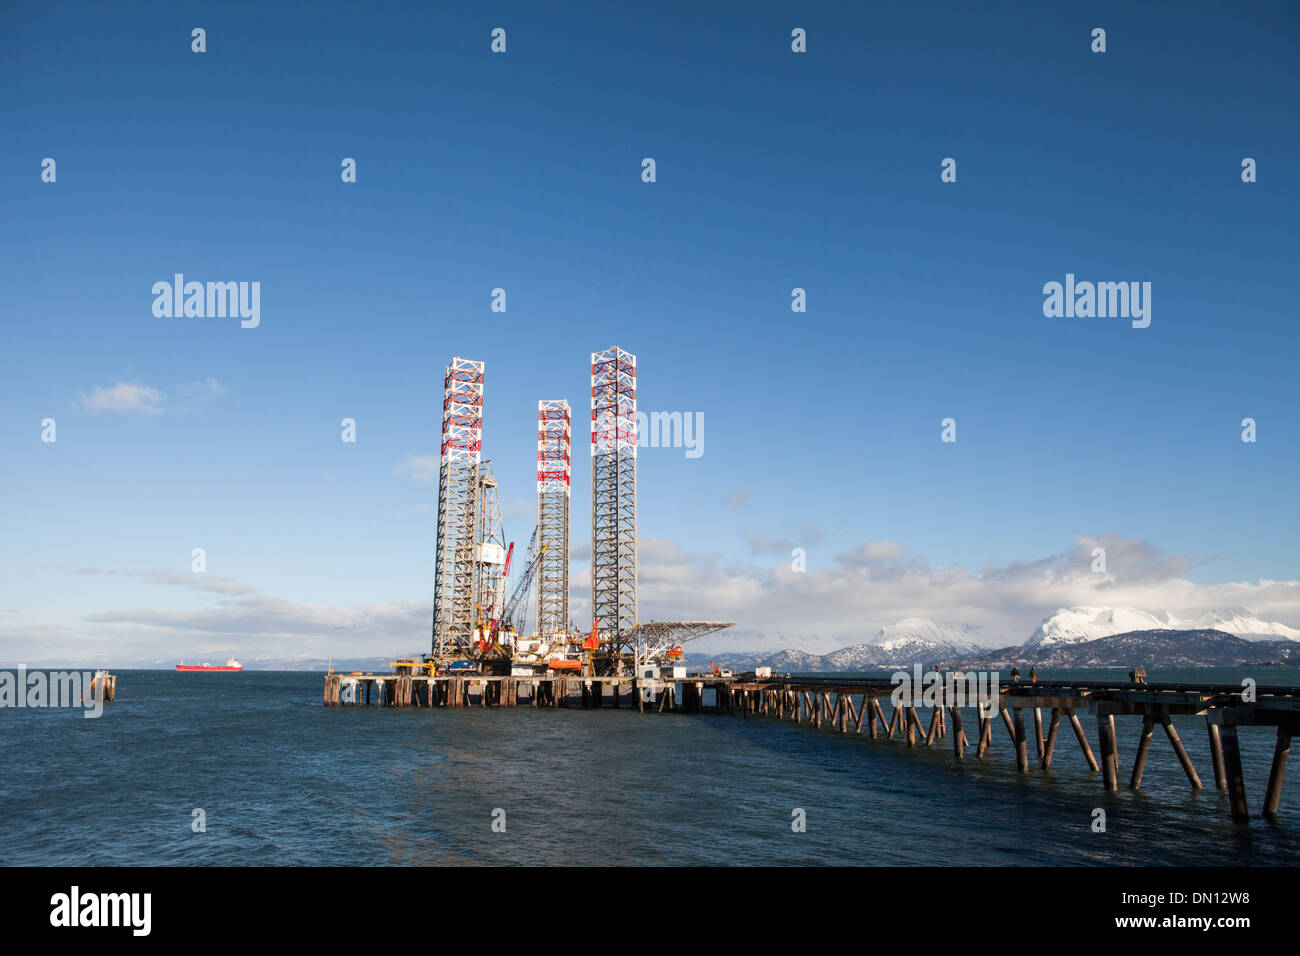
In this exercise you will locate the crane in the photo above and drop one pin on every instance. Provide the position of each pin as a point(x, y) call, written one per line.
point(517, 604)
point(505, 620)
point(488, 634)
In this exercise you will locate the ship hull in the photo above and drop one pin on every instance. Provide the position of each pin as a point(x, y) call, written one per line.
point(200, 667)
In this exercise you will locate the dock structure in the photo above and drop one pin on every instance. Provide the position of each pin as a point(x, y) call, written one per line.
point(854, 705)
point(478, 690)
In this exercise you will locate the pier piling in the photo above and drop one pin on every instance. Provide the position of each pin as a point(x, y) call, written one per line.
point(1176, 742)
point(1109, 751)
point(1281, 749)
point(1052, 726)
point(1140, 759)
point(1018, 732)
point(1216, 754)
point(1083, 740)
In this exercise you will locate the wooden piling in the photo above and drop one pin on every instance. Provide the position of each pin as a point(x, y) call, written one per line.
point(1006, 721)
point(1181, 751)
point(1276, 770)
point(1082, 737)
point(1022, 746)
point(913, 725)
point(958, 738)
point(1052, 726)
point(1038, 732)
point(1109, 751)
point(1232, 768)
point(1216, 754)
point(1140, 759)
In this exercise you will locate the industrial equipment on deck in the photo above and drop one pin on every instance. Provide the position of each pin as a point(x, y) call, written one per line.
point(476, 628)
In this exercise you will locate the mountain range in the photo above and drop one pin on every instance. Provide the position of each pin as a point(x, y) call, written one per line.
point(1076, 625)
point(1072, 637)
point(1160, 648)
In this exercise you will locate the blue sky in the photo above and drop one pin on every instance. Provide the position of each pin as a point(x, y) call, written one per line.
point(775, 170)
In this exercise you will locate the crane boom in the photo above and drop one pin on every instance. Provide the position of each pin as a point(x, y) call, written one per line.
point(521, 588)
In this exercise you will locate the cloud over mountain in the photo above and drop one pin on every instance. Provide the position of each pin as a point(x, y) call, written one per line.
point(878, 588)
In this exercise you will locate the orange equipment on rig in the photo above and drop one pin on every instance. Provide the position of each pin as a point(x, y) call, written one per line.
point(592, 643)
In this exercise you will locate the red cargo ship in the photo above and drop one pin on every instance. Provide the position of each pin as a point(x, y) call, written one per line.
point(230, 665)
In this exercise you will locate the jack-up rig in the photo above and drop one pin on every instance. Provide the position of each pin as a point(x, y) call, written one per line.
point(477, 628)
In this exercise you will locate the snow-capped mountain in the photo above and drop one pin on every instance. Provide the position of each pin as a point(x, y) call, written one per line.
point(921, 635)
point(1232, 620)
point(1076, 625)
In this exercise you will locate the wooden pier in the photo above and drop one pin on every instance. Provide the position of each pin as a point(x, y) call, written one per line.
point(856, 705)
point(419, 690)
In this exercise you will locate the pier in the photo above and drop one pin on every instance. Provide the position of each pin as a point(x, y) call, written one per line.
point(854, 705)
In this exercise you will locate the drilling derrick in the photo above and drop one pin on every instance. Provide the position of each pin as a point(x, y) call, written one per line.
point(456, 567)
point(613, 500)
point(490, 556)
point(554, 423)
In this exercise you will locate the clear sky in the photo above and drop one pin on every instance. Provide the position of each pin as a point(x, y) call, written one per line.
point(522, 170)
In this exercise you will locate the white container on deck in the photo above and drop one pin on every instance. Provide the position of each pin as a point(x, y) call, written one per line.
point(489, 553)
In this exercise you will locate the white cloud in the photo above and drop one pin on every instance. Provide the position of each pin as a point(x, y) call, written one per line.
point(878, 583)
point(773, 607)
point(804, 538)
point(421, 469)
point(873, 552)
point(195, 582)
point(202, 392)
point(124, 398)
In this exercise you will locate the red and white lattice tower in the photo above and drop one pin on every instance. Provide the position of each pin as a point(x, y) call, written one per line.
point(613, 497)
point(456, 568)
point(554, 426)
